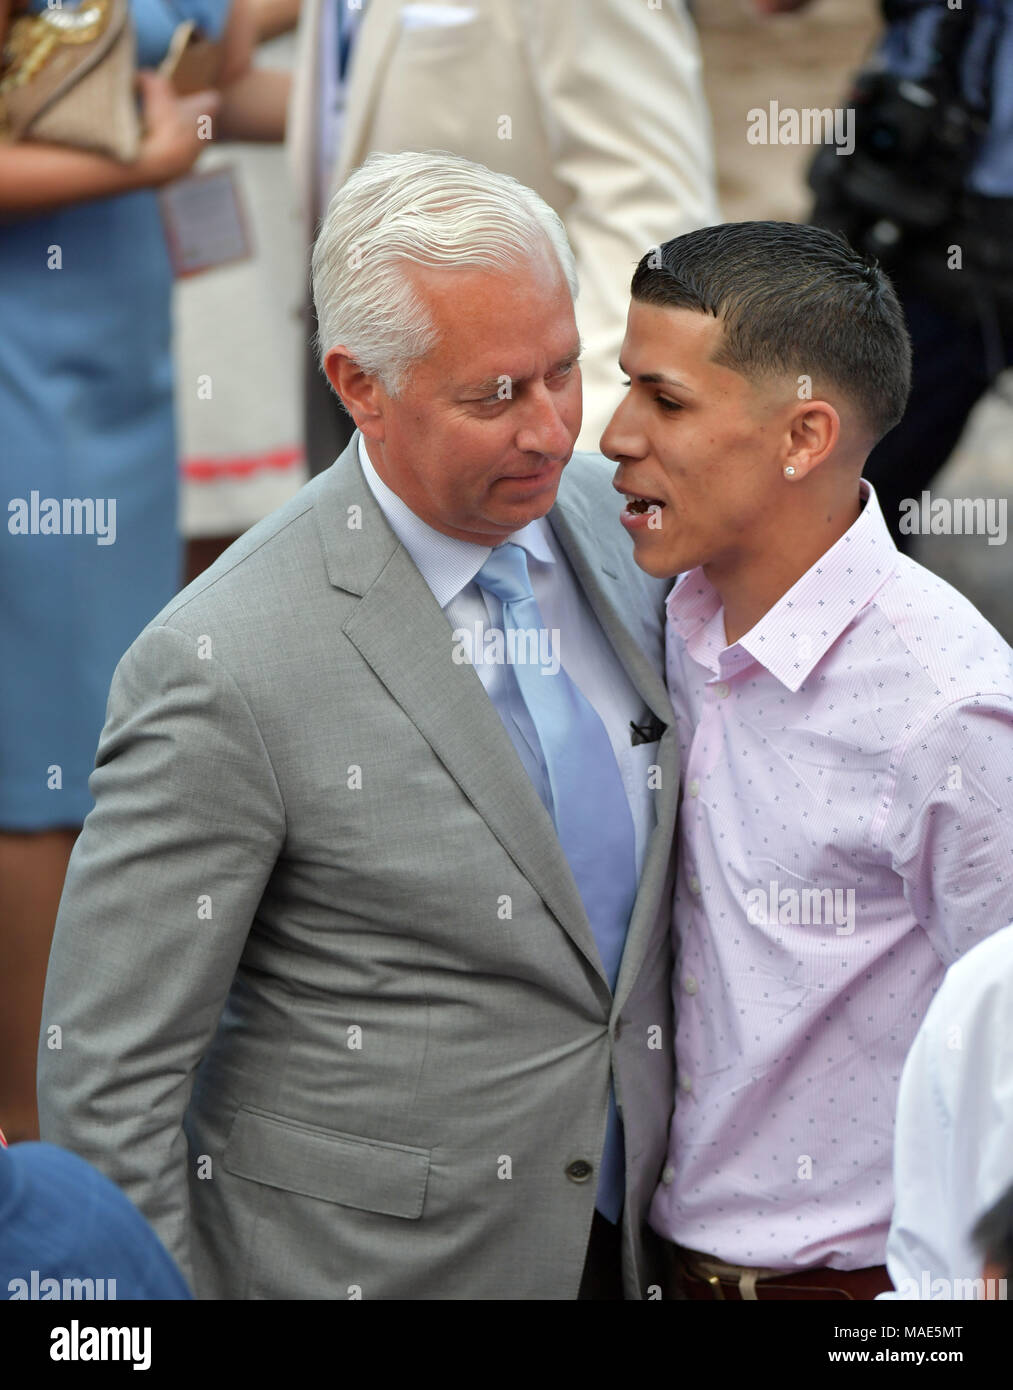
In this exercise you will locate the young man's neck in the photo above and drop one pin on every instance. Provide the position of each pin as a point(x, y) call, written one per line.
point(750, 590)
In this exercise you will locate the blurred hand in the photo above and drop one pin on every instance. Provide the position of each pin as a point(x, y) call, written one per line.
point(171, 142)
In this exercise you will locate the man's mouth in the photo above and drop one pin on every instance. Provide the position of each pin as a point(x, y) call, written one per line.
point(636, 503)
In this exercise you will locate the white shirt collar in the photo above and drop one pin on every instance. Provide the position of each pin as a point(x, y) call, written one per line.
point(445, 563)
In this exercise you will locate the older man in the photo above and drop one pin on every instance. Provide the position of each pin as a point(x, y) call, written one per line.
point(360, 980)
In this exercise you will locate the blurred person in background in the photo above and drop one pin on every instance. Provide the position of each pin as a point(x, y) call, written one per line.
point(928, 190)
point(66, 1231)
point(993, 1237)
point(953, 1152)
point(240, 330)
point(598, 105)
point(86, 401)
point(325, 48)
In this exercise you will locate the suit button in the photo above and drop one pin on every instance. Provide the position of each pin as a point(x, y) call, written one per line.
point(617, 1029)
point(579, 1170)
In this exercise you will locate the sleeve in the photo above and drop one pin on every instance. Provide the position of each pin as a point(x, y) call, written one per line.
point(947, 828)
point(162, 888)
point(629, 132)
point(954, 1127)
point(920, 1236)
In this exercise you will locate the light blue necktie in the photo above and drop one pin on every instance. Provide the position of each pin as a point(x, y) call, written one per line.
point(589, 803)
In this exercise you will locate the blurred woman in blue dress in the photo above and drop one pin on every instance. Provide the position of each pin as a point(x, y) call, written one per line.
point(86, 412)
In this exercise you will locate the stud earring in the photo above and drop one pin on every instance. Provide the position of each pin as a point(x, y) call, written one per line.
point(789, 472)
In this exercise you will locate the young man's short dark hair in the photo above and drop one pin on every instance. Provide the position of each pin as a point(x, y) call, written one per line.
point(793, 299)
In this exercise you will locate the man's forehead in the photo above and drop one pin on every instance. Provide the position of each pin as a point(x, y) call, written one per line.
point(670, 341)
point(489, 369)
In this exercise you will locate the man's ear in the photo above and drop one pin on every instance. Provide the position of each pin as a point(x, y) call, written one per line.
point(361, 394)
point(813, 431)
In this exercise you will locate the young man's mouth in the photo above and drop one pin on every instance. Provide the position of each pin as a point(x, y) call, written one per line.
point(636, 504)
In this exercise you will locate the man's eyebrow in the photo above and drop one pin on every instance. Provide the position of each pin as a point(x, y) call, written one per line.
point(492, 383)
point(659, 379)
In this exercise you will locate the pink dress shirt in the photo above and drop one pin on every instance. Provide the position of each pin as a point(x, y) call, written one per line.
point(846, 832)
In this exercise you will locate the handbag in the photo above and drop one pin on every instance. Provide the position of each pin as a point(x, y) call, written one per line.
point(67, 78)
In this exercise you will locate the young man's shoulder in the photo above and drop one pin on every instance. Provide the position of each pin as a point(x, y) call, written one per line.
point(945, 635)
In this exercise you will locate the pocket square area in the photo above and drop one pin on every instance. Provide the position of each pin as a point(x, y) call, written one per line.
point(648, 731)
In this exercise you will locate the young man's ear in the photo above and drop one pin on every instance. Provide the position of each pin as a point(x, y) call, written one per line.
point(813, 432)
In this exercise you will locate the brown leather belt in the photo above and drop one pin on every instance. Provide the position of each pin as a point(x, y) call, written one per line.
point(697, 1276)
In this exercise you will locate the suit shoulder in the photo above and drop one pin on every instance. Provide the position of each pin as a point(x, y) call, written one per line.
point(283, 542)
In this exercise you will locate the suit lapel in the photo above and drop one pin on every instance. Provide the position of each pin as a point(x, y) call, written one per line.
point(594, 556)
point(401, 631)
point(403, 634)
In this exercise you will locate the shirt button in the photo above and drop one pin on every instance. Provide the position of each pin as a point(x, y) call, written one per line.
point(668, 1174)
point(685, 1081)
point(721, 691)
point(694, 788)
point(694, 884)
point(579, 1170)
point(689, 984)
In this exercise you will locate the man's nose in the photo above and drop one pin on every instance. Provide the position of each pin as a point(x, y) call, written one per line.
point(621, 437)
point(544, 429)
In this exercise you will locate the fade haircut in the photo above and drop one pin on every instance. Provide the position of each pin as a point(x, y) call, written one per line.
point(417, 208)
point(793, 300)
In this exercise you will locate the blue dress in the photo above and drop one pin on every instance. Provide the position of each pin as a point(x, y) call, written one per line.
point(86, 412)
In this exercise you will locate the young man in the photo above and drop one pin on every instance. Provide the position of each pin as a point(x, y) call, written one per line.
point(847, 750)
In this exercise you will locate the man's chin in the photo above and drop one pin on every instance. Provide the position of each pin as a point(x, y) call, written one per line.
point(518, 511)
point(655, 561)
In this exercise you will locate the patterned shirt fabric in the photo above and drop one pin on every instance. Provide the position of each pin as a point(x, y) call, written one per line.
point(847, 784)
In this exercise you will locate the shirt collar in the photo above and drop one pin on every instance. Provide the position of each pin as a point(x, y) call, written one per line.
point(445, 563)
point(797, 632)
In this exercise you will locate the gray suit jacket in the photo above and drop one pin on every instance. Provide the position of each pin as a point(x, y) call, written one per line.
point(323, 997)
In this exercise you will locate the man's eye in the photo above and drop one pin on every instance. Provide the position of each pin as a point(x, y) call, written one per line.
point(666, 404)
point(627, 382)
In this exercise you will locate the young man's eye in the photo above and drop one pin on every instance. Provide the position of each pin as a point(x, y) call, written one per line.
point(666, 404)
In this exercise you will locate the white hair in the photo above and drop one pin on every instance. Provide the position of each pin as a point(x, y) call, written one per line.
point(430, 209)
